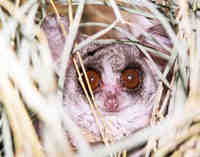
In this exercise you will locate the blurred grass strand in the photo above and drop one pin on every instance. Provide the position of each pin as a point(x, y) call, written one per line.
point(135, 140)
point(82, 145)
point(190, 23)
point(69, 43)
point(7, 139)
point(70, 12)
point(21, 126)
point(14, 104)
point(74, 130)
point(169, 147)
point(169, 124)
point(41, 110)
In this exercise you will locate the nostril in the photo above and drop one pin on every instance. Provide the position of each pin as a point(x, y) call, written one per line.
point(111, 104)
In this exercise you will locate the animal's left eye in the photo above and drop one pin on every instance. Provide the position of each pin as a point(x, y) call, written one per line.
point(131, 78)
point(94, 78)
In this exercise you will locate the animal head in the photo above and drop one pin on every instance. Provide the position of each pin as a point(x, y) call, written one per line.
point(123, 81)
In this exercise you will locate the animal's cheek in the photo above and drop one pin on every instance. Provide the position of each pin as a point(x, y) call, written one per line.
point(75, 105)
point(128, 100)
point(99, 100)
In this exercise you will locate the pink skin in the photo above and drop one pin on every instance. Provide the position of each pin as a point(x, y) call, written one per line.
point(111, 103)
point(111, 94)
point(111, 89)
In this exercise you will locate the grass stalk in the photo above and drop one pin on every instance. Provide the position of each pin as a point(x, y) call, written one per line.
point(21, 124)
point(70, 12)
point(69, 43)
point(7, 139)
point(58, 16)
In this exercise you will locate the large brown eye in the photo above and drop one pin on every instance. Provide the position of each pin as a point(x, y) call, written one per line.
point(131, 78)
point(94, 78)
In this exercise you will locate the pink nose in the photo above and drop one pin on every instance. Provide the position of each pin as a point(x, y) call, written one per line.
point(111, 103)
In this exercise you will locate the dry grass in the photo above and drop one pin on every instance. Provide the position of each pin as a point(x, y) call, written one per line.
point(28, 83)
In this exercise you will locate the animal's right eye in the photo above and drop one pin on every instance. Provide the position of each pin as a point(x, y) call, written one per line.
point(131, 78)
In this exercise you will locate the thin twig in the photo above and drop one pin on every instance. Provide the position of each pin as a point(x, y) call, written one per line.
point(179, 139)
point(116, 11)
point(93, 105)
point(138, 12)
point(70, 12)
point(151, 50)
point(95, 36)
point(58, 16)
point(90, 103)
point(168, 94)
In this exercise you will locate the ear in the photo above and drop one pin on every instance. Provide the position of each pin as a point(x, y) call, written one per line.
point(54, 33)
point(159, 33)
point(56, 38)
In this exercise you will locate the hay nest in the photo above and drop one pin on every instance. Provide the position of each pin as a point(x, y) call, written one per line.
point(31, 94)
